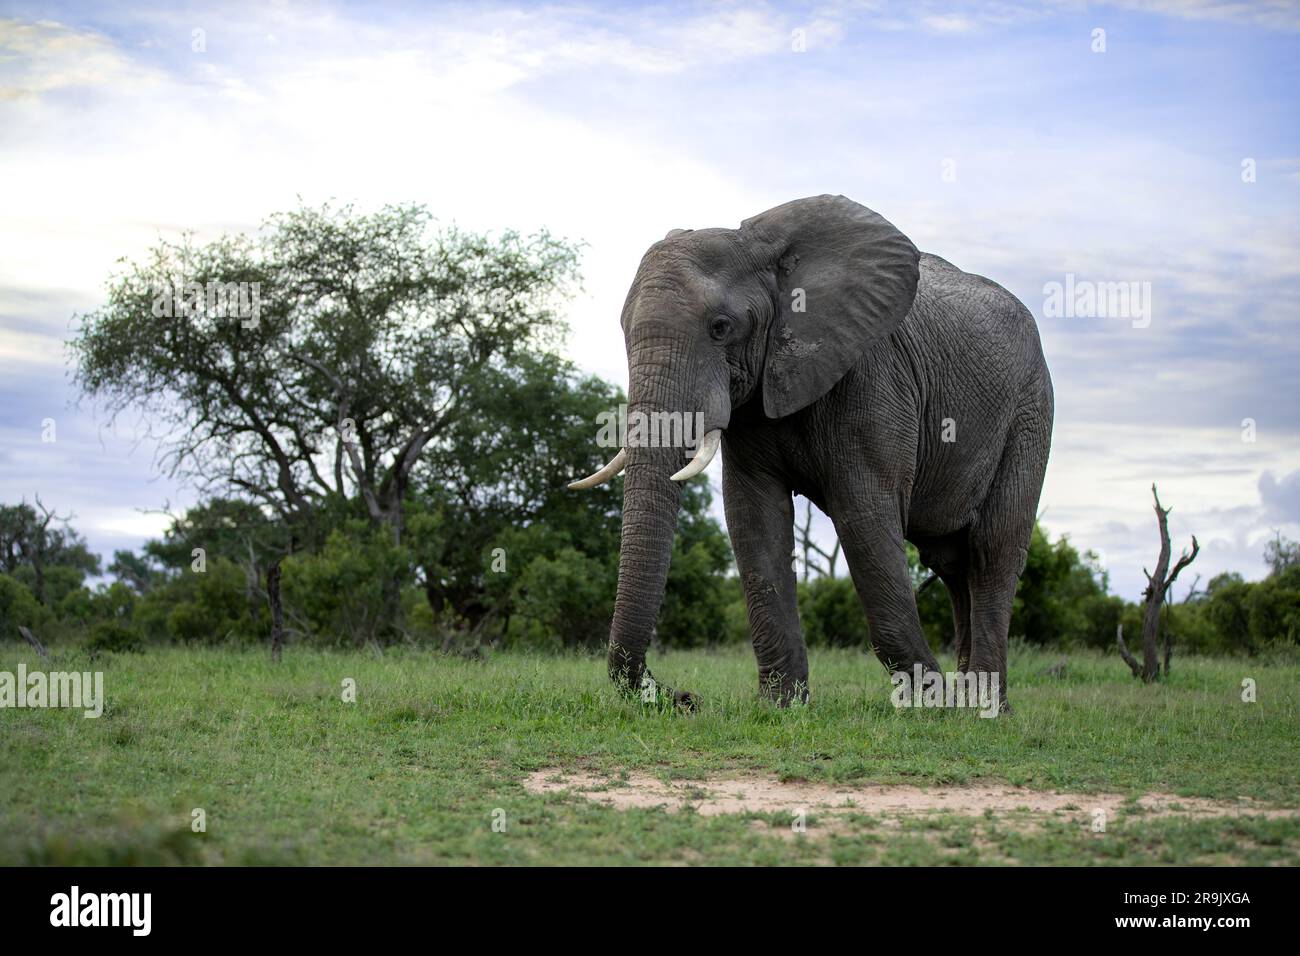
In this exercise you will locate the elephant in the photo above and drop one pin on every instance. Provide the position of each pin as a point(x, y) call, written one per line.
point(827, 357)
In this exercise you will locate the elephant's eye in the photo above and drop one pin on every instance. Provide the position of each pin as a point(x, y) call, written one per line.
point(720, 328)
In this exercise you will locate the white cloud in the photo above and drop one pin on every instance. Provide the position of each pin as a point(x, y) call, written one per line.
point(949, 23)
point(1273, 14)
point(436, 125)
point(123, 522)
point(44, 56)
point(1280, 497)
point(967, 15)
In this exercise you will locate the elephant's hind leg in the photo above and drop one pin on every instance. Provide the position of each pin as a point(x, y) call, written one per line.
point(1000, 547)
point(992, 592)
point(959, 596)
point(871, 532)
point(947, 557)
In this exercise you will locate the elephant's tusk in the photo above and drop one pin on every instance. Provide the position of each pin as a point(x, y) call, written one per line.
point(703, 455)
point(599, 478)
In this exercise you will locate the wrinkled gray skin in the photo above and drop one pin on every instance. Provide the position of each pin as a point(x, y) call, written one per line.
point(843, 402)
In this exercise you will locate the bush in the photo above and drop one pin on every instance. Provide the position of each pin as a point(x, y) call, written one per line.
point(935, 610)
point(115, 637)
point(18, 607)
point(1274, 607)
point(832, 614)
point(694, 611)
point(1055, 593)
point(563, 601)
point(1226, 606)
point(1188, 627)
point(1102, 614)
point(77, 607)
point(351, 592)
point(213, 606)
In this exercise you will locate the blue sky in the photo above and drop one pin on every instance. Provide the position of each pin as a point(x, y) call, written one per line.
point(614, 123)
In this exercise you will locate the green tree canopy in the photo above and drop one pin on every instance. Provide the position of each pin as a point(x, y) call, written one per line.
point(321, 357)
point(40, 549)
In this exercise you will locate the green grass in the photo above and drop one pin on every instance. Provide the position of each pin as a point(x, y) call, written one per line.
point(288, 773)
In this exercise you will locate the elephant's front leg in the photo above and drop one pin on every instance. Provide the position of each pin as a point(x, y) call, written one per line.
point(760, 519)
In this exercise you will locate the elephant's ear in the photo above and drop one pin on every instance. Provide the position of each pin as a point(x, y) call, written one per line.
point(845, 278)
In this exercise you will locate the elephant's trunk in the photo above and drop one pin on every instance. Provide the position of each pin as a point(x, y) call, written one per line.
point(661, 380)
point(650, 503)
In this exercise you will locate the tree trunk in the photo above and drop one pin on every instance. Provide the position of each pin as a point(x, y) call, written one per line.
point(38, 587)
point(277, 609)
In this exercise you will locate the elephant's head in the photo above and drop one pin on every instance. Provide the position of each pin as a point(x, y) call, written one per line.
point(775, 312)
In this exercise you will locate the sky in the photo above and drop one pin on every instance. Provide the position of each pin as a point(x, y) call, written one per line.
point(1153, 142)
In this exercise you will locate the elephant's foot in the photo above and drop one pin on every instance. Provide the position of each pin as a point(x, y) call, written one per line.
point(647, 689)
point(663, 696)
point(1004, 705)
point(988, 682)
point(781, 692)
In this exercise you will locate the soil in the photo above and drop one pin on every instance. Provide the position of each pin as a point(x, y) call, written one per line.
point(761, 793)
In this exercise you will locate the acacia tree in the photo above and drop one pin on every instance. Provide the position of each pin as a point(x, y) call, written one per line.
point(309, 367)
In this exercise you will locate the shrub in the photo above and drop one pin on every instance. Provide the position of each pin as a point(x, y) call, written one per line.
point(18, 607)
point(1274, 607)
point(210, 607)
point(562, 601)
point(697, 592)
point(1052, 597)
point(832, 614)
point(350, 592)
point(1226, 605)
point(114, 637)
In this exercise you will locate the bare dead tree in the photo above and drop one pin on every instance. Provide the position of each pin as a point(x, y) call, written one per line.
point(39, 544)
point(1157, 589)
point(1129, 659)
point(804, 541)
point(31, 639)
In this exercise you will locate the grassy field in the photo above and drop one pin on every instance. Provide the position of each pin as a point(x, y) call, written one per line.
point(436, 747)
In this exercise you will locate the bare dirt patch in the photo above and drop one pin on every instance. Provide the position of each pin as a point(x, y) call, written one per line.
point(761, 793)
